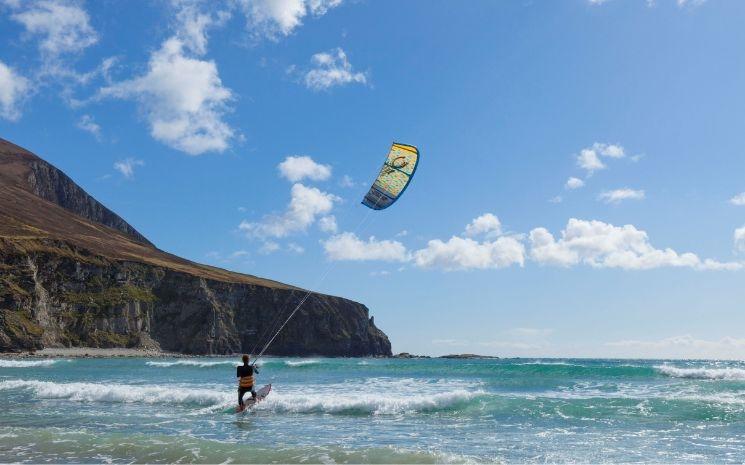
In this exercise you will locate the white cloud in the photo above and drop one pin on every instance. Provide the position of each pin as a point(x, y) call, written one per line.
point(589, 158)
point(276, 18)
point(486, 224)
point(88, 124)
point(127, 167)
point(328, 224)
point(64, 26)
point(268, 247)
point(602, 245)
point(589, 161)
point(298, 168)
point(347, 246)
point(460, 253)
point(574, 183)
point(619, 195)
point(609, 150)
point(556, 199)
point(332, 69)
point(738, 200)
point(183, 98)
point(306, 205)
point(740, 239)
point(682, 347)
point(192, 24)
point(13, 90)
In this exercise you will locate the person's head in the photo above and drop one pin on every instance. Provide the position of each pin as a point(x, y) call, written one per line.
point(245, 359)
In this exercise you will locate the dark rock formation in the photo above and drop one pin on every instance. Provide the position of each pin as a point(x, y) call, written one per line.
point(66, 280)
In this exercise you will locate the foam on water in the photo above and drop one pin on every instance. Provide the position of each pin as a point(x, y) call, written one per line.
point(5, 363)
point(95, 392)
point(191, 363)
point(300, 363)
point(728, 373)
point(375, 403)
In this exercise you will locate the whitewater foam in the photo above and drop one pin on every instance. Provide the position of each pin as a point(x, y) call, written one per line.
point(377, 403)
point(737, 374)
point(300, 363)
point(192, 363)
point(93, 392)
point(4, 363)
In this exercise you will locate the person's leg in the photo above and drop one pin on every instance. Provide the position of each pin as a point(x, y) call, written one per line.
point(241, 393)
point(253, 393)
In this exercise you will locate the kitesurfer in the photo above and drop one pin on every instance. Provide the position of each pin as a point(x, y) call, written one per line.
point(246, 381)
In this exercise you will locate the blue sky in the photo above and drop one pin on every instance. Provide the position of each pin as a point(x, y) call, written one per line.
point(580, 191)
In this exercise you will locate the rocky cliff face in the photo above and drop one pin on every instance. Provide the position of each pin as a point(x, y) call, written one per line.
point(72, 273)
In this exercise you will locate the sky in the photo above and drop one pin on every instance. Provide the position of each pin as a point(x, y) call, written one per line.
point(580, 191)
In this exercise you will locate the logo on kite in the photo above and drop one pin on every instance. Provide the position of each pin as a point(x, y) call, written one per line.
point(394, 177)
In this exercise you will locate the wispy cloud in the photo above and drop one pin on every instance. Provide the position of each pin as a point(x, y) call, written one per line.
point(619, 195)
point(88, 124)
point(332, 69)
point(14, 89)
point(127, 167)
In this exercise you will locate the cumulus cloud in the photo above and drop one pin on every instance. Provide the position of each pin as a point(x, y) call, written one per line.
point(347, 246)
point(307, 204)
point(589, 159)
point(740, 239)
point(276, 18)
point(88, 124)
point(460, 253)
point(63, 26)
point(298, 168)
point(183, 99)
point(619, 195)
point(486, 224)
point(603, 245)
point(574, 183)
point(331, 69)
point(127, 167)
point(738, 200)
point(13, 90)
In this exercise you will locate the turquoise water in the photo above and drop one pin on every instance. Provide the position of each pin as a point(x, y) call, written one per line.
point(373, 410)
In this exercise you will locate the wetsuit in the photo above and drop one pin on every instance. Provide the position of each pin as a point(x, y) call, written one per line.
point(246, 375)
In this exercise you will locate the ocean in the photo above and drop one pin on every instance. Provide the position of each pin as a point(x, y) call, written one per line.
point(336, 410)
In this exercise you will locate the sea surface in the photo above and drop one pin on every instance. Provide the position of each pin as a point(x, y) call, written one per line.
point(122, 410)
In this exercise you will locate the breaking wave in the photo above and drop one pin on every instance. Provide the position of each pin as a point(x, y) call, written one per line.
point(92, 392)
point(370, 404)
point(737, 374)
point(300, 363)
point(192, 363)
point(28, 363)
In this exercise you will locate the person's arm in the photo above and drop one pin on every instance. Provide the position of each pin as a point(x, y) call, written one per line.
point(256, 369)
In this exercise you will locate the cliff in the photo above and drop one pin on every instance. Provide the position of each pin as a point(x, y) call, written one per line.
point(73, 273)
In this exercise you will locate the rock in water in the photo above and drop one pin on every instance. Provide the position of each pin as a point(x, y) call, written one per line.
point(73, 273)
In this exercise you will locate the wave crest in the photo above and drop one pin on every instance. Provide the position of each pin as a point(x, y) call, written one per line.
point(370, 404)
point(4, 363)
point(127, 393)
point(737, 374)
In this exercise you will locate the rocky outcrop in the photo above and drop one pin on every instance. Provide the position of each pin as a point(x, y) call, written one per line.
point(67, 281)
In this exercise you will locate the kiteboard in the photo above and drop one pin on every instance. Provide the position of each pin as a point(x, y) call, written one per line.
point(251, 402)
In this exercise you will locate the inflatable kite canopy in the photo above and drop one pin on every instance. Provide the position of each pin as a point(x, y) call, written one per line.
point(394, 177)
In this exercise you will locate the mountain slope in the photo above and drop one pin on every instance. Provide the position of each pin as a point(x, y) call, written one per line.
point(73, 273)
